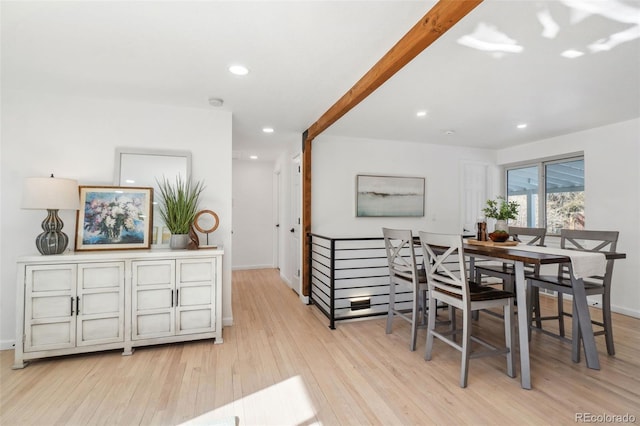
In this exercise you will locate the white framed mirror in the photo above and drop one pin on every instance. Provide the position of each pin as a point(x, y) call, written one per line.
point(143, 167)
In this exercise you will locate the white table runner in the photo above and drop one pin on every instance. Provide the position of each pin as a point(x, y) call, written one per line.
point(584, 263)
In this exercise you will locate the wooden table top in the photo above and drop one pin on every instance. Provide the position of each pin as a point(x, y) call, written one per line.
point(513, 253)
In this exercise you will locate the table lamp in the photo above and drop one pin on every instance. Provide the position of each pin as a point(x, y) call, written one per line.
point(52, 194)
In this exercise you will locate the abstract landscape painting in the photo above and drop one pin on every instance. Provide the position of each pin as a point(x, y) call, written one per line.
point(389, 196)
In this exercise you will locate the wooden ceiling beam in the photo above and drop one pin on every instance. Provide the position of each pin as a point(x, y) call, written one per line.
point(440, 18)
point(444, 15)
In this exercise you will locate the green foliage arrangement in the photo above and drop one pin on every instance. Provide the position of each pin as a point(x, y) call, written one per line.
point(179, 203)
point(501, 209)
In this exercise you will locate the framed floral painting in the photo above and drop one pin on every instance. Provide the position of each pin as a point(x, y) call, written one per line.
point(114, 218)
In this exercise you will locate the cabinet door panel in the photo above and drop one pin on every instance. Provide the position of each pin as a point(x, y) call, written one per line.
point(50, 307)
point(154, 299)
point(195, 321)
point(196, 284)
point(100, 303)
point(52, 278)
point(154, 325)
point(51, 335)
point(98, 330)
point(49, 323)
point(106, 275)
point(155, 273)
point(195, 270)
point(153, 285)
point(195, 295)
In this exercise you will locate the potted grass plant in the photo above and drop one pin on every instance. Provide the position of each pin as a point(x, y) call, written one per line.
point(501, 210)
point(178, 207)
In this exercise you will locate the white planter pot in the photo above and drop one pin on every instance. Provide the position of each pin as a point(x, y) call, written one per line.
point(179, 241)
point(501, 225)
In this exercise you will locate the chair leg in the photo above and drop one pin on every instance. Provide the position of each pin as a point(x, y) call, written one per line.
point(452, 322)
point(532, 295)
point(608, 325)
point(561, 314)
point(423, 299)
point(509, 332)
point(509, 284)
point(475, 315)
point(533, 309)
point(392, 302)
point(466, 347)
point(414, 320)
point(536, 304)
point(431, 325)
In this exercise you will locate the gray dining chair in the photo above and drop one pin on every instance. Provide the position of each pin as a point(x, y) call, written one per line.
point(406, 278)
point(505, 271)
point(604, 241)
point(447, 281)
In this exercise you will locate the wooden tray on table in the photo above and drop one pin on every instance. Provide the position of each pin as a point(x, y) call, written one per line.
point(491, 243)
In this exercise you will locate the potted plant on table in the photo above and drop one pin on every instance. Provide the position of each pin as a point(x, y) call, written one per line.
point(178, 207)
point(501, 210)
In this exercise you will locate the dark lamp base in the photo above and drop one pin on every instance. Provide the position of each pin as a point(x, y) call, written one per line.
point(52, 242)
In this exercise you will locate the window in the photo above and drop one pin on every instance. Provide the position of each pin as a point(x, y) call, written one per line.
point(559, 183)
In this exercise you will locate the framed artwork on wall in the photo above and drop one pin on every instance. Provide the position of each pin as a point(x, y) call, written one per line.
point(114, 218)
point(389, 196)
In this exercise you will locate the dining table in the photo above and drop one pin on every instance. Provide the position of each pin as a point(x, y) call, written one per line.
point(521, 255)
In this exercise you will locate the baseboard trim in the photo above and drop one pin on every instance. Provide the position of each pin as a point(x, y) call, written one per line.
point(595, 302)
point(7, 345)
point(246, 267)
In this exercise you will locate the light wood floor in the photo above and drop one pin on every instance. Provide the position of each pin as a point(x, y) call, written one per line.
point(281, 365)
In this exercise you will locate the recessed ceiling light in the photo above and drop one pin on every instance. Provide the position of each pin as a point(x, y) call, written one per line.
point(571, 54)
point(449, 132)
point(421, 114)
point(216, 102)
point(522, 126)
point(253, 157)
point(238, 70)
point(267, 129)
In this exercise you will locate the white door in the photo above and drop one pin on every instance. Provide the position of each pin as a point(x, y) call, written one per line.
point(295, 226)
point(276, 215)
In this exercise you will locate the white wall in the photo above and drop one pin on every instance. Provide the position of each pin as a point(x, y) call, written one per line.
point(337, 161)
point(253, 214)
point(612, 180)
point(612, 190)
point(76, 138)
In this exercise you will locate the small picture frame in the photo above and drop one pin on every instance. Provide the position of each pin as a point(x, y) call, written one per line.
point(114, 218)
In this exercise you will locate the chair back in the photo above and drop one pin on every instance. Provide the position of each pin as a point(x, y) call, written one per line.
point(580, 239)
point(537, 235)
point(586, 240)
point(401, 256)
point(444, 264)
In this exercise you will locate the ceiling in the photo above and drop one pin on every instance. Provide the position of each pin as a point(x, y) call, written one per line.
point(304, 55)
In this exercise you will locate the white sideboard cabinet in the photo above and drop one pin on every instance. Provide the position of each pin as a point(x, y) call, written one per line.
point(76, 303)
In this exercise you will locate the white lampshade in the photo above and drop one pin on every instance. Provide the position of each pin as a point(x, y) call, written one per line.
point(50, 193)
